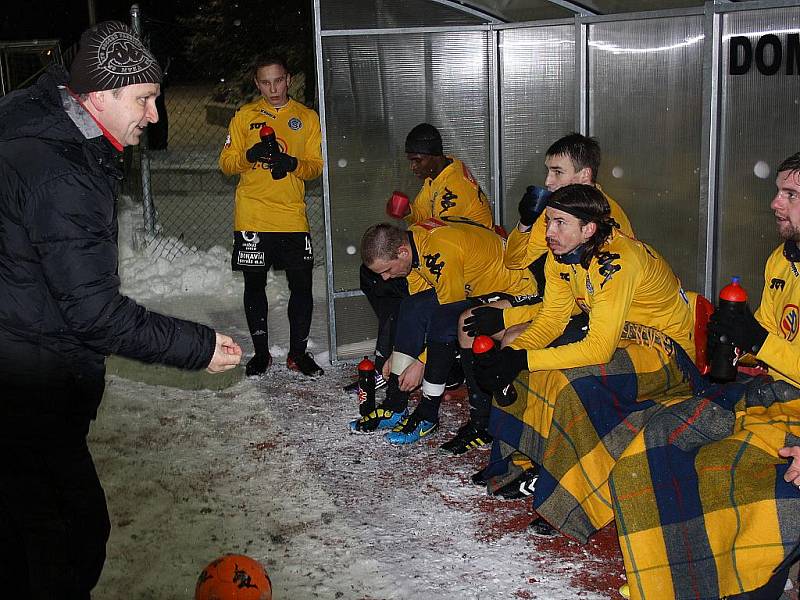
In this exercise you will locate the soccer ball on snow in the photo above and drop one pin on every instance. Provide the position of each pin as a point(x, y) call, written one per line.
point(233, 577)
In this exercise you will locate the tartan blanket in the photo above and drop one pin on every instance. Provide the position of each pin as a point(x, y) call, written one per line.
point(701, 506)
point(575, 423)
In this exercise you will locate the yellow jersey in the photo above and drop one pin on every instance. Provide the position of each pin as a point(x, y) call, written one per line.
point(264, 203)
point(454, 193)
point(626, 282)
point(780, 316)
point(524, 248)
point(461, 260)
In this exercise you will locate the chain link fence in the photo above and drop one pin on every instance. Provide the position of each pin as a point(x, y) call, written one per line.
point(187, 203)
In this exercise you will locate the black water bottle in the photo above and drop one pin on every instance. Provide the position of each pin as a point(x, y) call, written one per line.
point(505, 396)
point(723, 353)
point(267, 135)
point(366, 387)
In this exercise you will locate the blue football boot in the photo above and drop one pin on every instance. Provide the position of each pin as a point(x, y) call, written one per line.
point(411, 430)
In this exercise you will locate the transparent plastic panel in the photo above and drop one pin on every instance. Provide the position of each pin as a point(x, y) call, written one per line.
point(356, 327)
point(759, 128)
point(645, 99)
point(376, 89)
point(537, 105)
point(387, 14)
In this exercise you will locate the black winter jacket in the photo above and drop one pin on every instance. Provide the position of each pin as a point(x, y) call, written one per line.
point(61, 313)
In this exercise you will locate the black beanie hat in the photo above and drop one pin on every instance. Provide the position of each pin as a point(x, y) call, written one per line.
point(110, 57)
point(424, 139)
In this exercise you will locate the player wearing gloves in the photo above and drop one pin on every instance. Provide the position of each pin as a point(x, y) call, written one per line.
point(449, 191)
point(274, 146)
point(460, 261)
point(579, 404)
point(709, 492)
point(571, 159)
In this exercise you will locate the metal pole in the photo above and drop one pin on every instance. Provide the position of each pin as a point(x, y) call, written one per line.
point(326, 191)
point(710, 150)
point(148, 208)
point(92, 15)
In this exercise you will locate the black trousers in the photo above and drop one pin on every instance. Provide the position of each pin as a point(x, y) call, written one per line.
point(54, 521)
point(300, 308)
point(384, 297)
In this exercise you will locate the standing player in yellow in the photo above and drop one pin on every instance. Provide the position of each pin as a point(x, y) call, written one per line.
point(270, 224)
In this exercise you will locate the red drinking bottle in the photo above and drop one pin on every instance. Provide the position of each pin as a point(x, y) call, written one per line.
point(366, 387)
point(483, 344)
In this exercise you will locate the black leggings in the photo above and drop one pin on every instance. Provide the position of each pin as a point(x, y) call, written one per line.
point(301, 306)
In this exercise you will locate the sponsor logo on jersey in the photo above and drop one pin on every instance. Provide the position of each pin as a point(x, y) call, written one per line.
point(258, 125)
point(267, 113)
point(607, 266)
point(295, 124)
point(564, 276)
point(434, 265)
point(777, 284)
point(790, 321)
point(447, 200)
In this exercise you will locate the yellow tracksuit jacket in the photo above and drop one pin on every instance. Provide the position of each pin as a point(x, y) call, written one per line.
point(263, 203)
point(454, 193)
point(626, 282)
point(461, 260)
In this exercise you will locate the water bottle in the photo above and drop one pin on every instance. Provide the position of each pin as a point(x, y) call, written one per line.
point(722, 352)
point(504, 396)
point(366, 387)
point(267, 135)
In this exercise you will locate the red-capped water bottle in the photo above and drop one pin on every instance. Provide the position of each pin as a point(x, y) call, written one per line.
point(723, 353)
point(483, 344)
point(366, 387)
point(267, 135)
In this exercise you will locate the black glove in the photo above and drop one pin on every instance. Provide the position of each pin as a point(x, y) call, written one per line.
point(532, 205)
point(258, 153)
point(282, 163)
point(494, 370)
point(484, 320)
point(739, 328)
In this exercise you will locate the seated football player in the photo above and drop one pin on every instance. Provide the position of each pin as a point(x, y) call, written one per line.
point(461, 261)
point(579, 405)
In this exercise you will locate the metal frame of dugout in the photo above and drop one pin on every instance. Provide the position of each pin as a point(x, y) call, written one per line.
point(694, 108)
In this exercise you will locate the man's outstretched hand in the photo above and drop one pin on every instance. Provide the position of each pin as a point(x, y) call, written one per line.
point(227, 354)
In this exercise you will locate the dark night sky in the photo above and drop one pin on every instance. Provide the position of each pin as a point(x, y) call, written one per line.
point(66, 19)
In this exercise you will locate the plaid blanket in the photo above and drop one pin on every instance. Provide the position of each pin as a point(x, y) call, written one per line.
point(575, 423)
point(701, 506)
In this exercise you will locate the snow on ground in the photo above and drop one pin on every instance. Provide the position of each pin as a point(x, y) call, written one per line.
point(267, 468)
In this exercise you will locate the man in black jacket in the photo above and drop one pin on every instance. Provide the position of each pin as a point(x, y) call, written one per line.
point(61, 313)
